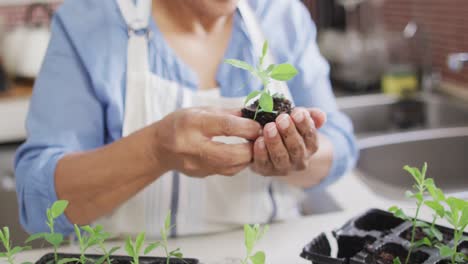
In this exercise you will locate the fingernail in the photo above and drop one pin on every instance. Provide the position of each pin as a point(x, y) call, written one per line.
point(299, 116)
point(261, 143)
point(271, 131)
point(284, 122)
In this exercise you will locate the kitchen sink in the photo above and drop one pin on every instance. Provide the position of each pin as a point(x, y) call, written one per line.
point(445, 150)
point(382, 114)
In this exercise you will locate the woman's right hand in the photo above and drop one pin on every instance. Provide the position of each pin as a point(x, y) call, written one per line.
point(182, 141)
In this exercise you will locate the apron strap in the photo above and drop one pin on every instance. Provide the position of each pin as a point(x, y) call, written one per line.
point(137, 19)
point(136, 16)
point(257, 37)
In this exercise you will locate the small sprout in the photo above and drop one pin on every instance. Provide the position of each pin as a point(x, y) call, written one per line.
point(91, 238)
point(280, 72)
point(133, 249)
point(421, 187)
point(253, 234)
point(397, 261)
point(10, 251)
point(54, 239)
point(165, 230)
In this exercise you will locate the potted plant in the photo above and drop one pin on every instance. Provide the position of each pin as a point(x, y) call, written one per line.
point(264, 105)
point(394, 237)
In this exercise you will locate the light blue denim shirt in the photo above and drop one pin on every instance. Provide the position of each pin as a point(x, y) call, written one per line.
point(78, 99)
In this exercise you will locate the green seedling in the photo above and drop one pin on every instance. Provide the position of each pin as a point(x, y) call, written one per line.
point(280, 72)
point(54, 239)
point(133, 248)
point(91, 238)
point(457, 216)
point(165, 231)
point(397, 261)
point(10, 251)
point(420, 188)
point(252, 235)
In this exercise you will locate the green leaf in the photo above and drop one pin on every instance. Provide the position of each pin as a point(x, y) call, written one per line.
point(68, 260)
point(88, 230)
point(167, 222)
point(176, 254)
point(258, 258)
point(397, 261)
point(249, 236)
point(113, 250)
point(36, 237)
point(54, 239)
point(129, 247)
point(419, 197)
point(398, 212)
point(415, 173)
point(264, 52)
point(433, 232)
point(445, 251)
point(2, 255)
point(435, 192)
point(152, 247)
point(424, 170)
point(423, 242)
point(77, 232)
point(269, 69)
point(240, 64)
point(251, 96)
point(139, 242)
point(283, 72)
point(436, 207)
point(101, 260)
point(58, 208)
point(17, 250)
point(263, 232)
point(266, 102)
point(421, 224)
point(27, 263)
point(464, 216)
point(409, 194)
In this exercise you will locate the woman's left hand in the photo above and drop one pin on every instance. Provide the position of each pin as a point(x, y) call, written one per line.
point(287, 145)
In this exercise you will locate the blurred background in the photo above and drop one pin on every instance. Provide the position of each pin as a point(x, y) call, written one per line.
point(397, 70)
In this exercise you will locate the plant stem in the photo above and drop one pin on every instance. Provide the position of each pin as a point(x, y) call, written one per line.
point(256, 112)
point(167, 255)
point(456, 240)
point(413, 232)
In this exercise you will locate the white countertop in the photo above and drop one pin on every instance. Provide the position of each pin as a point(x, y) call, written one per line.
point(284, 242)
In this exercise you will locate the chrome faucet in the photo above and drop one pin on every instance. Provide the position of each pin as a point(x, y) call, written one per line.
point(456, 61)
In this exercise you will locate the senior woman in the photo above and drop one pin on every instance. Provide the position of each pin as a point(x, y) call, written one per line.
point(132, 111)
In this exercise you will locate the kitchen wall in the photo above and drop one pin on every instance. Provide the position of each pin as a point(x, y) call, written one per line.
point(447, 22)
point(12, 15)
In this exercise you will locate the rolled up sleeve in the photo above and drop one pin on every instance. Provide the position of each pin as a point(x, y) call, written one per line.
point(64, 117)
point(312, 88)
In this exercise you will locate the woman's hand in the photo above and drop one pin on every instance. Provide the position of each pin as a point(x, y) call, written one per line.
point(287, 145)
point(183, 142)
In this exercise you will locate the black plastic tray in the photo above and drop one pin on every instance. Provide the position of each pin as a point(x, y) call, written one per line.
point(362, 238)
point(48, 259)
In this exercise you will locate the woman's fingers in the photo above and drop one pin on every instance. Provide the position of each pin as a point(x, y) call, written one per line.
point(277, 151)
point(318, 116)
point(222, 124)
point(293, 141)
point(306, 127)
point(262, 163)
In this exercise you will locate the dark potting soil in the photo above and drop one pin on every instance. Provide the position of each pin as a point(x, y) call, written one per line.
point(419, 234)
point(281, 105)
point(387, 253)
point(49, 259)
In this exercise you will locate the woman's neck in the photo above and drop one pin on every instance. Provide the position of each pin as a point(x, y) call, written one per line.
point(182, 17)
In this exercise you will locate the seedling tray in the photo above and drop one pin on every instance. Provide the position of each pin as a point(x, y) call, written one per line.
point(376, 237)
point(49, 259)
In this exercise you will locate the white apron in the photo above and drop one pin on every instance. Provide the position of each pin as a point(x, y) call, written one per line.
point(198, 206)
